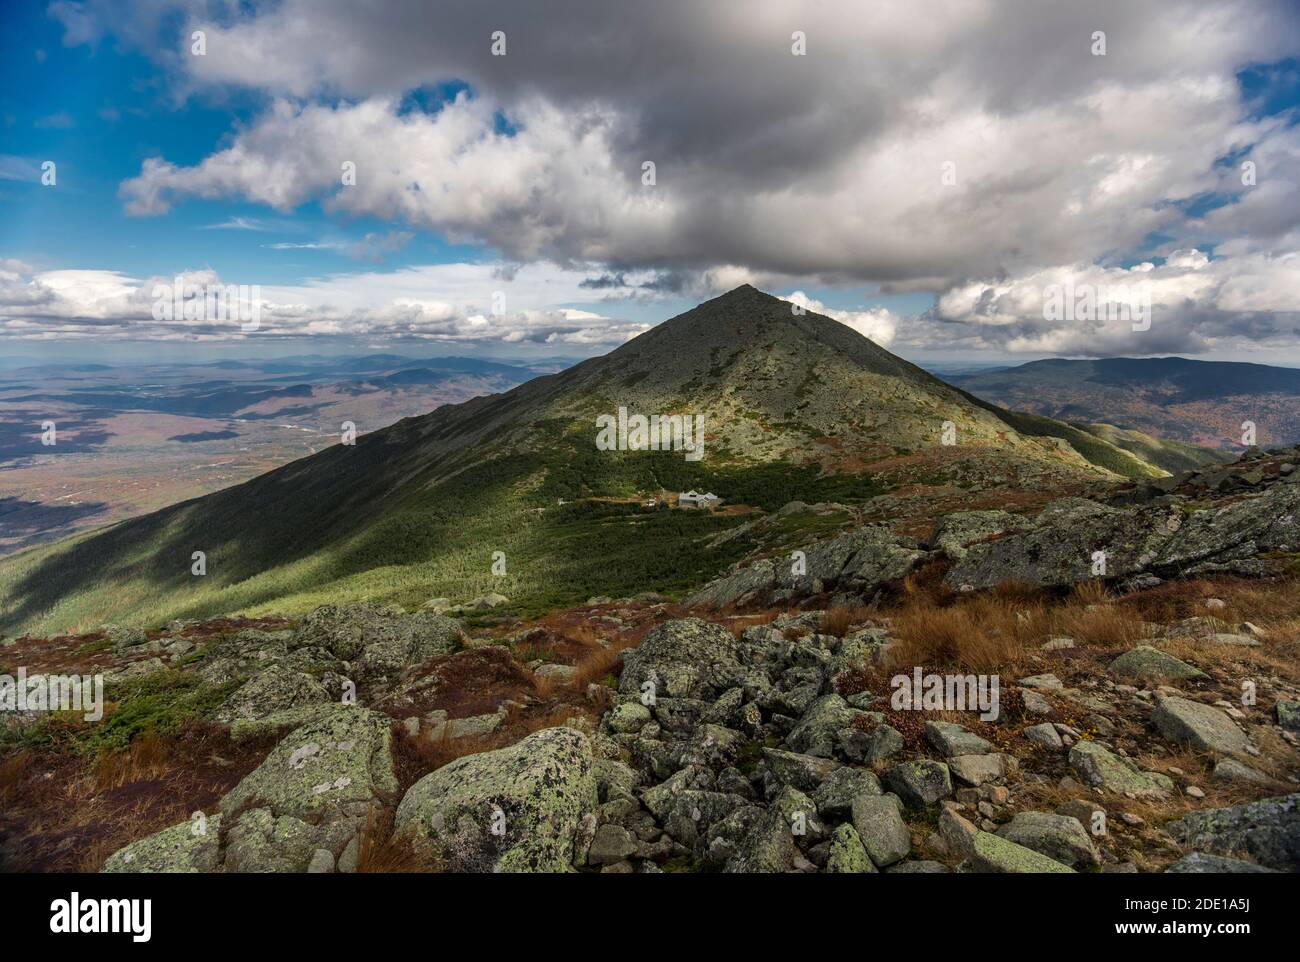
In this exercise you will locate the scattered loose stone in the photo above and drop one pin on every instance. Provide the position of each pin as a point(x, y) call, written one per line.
point(1199, 863)
point(1035, 703)
point(1145, 662)
point(977, 769)
point(882, 830)
point(1059, 837)
point(1231, 770)
point(993, 854)
point(919, 783)
point(1104, 769)
point(954, 740)
point(1057, 644)
point(1045, 736)
point(1199, 726)
point(1046, 682)
point(847, 853)
point(957, 833)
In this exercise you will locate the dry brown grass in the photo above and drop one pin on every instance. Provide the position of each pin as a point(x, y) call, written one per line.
point(1265, 602)
point(1100, 624)
point(598, 665)
point(13, 770)
point(979, 633)
point(839, 621)
point(381, 851)
point(584, 634)
point(67, 812)
point(1016, 592)
point(1003, 628)
point(737, 623)
point(926, 585)
point(1091, 592)
point(149, 756)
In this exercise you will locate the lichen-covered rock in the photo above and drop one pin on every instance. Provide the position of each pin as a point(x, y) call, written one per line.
point(611, 843)
point(952, 739)
point(769, 845)
point(870, 742)
point(957, 531)
point(275, 690)
point(1146, 663)
point(872, 555)
point(516, 809)
point(243, 653)
point(1288, 715)
point(1268, 831)
point(835, 796)
point(989, 853)
point(123, 638)
point(1199, 726)
point(713, 745)
point(856, 561)
point(848, 856)
point(258, 840)
point(243, 729)
point(397, 639)
point(739, 587)
point(629, 717)
point(1220, 536)
point(818, 730)
point(316, 789)
point(613, 779)
point(804, 772)
point(1231, 770)
point(1103, 769)
point(340, 762)
point(881, 828)
point(684, 658)
point(1057, 548)
point(1059, 837)
point(1199, 863)
point(920, 866)
point(920, 783)
point(191, 846)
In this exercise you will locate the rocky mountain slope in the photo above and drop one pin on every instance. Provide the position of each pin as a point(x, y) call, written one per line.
point(794, 406)
point(1242, 519)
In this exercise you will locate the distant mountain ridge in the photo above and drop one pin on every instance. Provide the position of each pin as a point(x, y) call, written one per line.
point(1170, 398)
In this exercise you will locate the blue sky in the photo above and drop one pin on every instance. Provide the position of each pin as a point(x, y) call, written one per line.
point(756, 183)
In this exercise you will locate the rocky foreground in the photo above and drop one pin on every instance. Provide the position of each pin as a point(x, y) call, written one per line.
point(638, 735)
point(760, 753)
